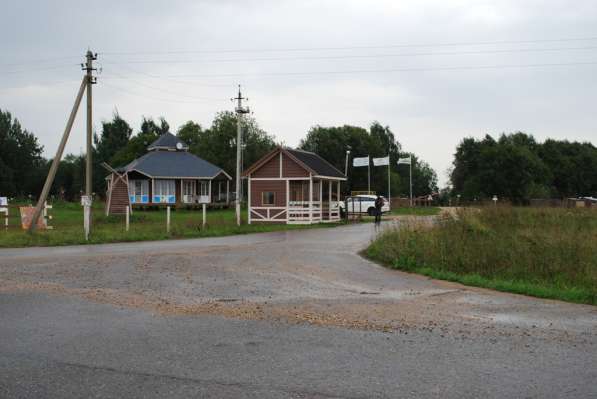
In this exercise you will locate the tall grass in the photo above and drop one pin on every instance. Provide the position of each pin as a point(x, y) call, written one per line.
point(545, 252)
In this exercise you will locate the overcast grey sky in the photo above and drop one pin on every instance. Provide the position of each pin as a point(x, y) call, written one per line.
point(417, 66)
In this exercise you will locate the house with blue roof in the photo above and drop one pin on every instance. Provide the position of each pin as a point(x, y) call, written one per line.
point(168, 174)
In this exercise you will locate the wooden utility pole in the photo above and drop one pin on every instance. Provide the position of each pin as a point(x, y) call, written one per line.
point(240, 110)
point(86, 83)
point(57, 157)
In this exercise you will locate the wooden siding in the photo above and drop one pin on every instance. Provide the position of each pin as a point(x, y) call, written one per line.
point(276, 186)
point(119, 197)
point(291, 169)
point(270, 169)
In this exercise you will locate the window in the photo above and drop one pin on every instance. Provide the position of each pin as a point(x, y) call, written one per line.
point(188, 191)
point(164, 191)
point(139, 191)
point(268, 198)
point(204, 187)
point(138, 187)
point(188, 187)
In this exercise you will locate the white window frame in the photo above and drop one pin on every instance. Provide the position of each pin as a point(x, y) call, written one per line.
point(163, 189)
point(144, 190)
point(263, 203)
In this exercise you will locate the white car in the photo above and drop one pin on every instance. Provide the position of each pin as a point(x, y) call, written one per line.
point(363, 204)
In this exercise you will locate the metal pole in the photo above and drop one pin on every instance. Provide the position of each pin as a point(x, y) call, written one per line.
point(368, 175)
point(346, 163)
point(56, 161)
point(204, 216)
point(410, 170)
point(389, 192)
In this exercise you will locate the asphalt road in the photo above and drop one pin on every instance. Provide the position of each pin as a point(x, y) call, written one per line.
point(276, 315)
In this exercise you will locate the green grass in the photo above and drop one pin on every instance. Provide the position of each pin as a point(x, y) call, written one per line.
point(144, 225)
point(417, 211)
point(542, 252)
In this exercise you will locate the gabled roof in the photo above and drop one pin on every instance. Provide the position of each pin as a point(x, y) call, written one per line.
point(316, 163)
point(174, 164)
point(310, 161)
point(168, 141)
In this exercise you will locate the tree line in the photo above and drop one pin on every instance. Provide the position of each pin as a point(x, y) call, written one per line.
point(23, 168)
point(517, 167)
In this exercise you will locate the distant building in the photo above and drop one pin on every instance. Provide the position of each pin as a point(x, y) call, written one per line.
point(167, 175)
point(293, 186)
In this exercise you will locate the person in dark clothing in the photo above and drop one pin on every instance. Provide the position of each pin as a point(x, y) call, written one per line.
point(378, 205)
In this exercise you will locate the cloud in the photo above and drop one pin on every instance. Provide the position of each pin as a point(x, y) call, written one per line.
point(173, 59)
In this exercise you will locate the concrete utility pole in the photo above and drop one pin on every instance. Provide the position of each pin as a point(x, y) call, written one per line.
point(90, 80)
point(89, 164)
point(239, 113)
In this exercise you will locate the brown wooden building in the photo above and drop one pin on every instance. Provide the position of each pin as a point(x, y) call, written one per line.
point(166, 175)
point(293, 186)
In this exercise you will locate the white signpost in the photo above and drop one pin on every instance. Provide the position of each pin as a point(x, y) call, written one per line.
point(363, 161)
point(383, 162)
point(4, 209)
point(408, 161)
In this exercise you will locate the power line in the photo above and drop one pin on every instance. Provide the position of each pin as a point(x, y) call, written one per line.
point(165, 90)
point(364, 71)
point(171, 80)
point(45, 83)
point(298, 49)
point(40, 68)
point(304, 49)
point(38, 61)
point(357, 56)
point(142, 95)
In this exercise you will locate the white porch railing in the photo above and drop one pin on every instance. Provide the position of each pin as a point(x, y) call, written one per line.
point(195, 199)
point(298, 212)
point(271, 214)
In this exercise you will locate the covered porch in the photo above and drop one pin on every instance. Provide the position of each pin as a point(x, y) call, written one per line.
point(296, 201)
point(313, 201)
point(197, 191)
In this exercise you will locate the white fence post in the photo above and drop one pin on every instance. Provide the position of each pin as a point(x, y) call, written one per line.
point(5, 210)
point(46, 216)
point(204, 215)
point(127, 218)
point(167, 219)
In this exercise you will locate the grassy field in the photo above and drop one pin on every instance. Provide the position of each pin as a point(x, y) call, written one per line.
point(543, 252)
point(144, 225)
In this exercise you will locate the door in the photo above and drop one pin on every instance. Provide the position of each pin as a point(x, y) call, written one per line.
point(188, 191)
point(204, 191)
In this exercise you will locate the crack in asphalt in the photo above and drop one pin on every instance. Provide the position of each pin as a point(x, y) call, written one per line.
point(179, 378)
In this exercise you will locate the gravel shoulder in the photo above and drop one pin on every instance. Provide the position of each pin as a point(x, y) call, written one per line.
point(311, 276)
